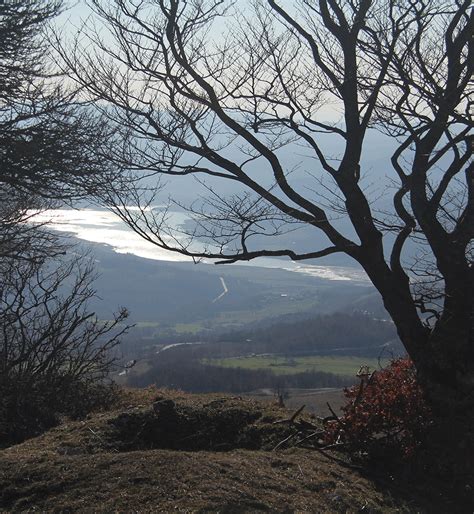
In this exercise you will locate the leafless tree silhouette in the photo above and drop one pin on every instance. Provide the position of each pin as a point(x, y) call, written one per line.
point(54, 352)
point(49, 143)
point(207, 90)
point(51, 345)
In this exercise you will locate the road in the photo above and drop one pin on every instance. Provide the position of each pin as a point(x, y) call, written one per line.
point(223, 292)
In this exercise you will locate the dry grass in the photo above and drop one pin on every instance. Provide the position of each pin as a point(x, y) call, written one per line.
point(95, 465)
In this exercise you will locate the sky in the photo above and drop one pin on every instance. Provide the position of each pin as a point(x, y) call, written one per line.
point(375, 168)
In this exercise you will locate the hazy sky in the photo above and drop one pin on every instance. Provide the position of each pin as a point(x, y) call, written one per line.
point(376, 168)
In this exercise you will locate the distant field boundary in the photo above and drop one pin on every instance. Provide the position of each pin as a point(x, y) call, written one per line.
point(346, 366)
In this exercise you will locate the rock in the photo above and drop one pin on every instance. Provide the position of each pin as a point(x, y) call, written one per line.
point(164, 407)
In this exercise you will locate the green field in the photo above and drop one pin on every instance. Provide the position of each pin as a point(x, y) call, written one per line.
point(147, 324)
point(274, 308)
point(339, 365)
point(180, 328)
point(230, 318)
point(188, 328)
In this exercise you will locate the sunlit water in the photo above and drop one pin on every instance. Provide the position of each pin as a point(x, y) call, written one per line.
point(98, 226)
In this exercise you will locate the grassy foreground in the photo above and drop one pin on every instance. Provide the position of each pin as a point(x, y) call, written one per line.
point(165, 451)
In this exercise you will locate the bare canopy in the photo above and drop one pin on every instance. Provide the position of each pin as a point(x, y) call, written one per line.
point(224, 91)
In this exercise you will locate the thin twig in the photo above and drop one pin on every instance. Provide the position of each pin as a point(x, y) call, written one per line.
point(310, 436)
point(297, 413)
point(292, 418)
point(281, 443)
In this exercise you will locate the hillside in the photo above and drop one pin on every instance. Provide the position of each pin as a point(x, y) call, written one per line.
point(165, 451)
point(161, 295)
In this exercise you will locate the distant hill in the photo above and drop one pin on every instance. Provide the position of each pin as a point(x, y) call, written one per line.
point(170, 293)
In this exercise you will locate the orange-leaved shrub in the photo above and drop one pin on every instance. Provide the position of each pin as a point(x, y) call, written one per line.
point(386, 414)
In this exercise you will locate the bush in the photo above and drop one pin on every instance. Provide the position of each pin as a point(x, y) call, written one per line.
point(55, 355)
point(30, 405)
point(386, 414)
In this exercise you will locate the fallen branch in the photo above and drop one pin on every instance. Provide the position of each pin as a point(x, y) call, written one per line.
point(334, 415)
point(336, 459)
point(310, 436)
point(306, 425)
point(292, 418)
point(281, 443)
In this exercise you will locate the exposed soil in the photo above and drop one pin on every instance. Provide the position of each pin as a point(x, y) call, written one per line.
point(166, 451)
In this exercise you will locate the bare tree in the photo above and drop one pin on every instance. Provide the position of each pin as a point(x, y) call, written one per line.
point(203, 89)
point(53, 350)
point(46, 326)
point(49, 142)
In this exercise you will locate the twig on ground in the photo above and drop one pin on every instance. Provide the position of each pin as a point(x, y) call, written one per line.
point(297, 413)
point(336, 459)
point(281, 443)
point(100, 439)
point(310, 436)
point(301, 471)
point(292, 418)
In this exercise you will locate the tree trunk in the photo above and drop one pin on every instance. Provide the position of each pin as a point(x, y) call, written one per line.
point(447, 367)
point(449, 360)
point(444, 354)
